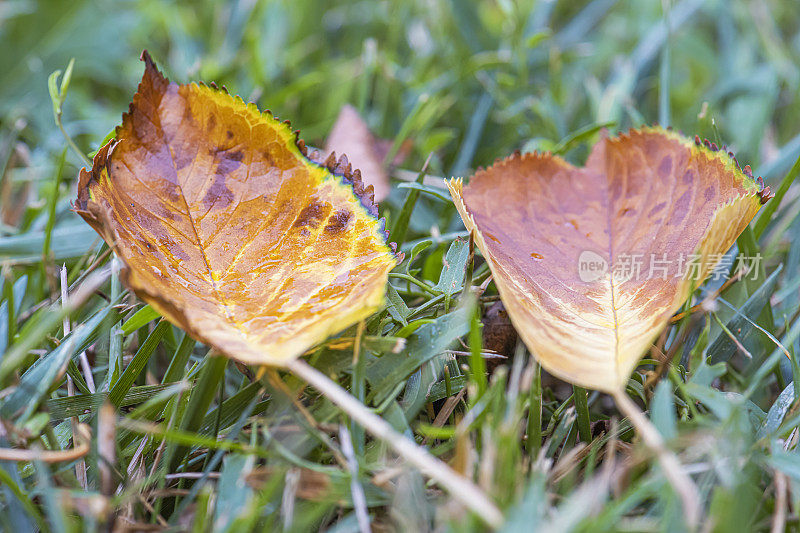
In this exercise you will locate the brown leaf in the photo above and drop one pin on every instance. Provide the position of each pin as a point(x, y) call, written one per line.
point(350, 135)
point(228, 229)
point(557, 239)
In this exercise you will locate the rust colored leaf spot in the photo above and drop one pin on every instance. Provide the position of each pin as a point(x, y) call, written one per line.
point(228, 229)
point(662, 209)
point(312, 215)
point(338, 222)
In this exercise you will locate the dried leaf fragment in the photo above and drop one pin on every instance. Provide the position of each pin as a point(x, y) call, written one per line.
point(228, 229)
point(591, 262)
point(351, 135)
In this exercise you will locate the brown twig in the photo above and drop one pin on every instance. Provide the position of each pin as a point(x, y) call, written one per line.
point(82, 443)
point(779, 516)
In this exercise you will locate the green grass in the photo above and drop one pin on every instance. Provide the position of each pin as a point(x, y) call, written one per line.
point(195, 442)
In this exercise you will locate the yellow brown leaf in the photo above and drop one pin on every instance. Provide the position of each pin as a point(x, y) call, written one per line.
point(557, 239)
point(228, 229)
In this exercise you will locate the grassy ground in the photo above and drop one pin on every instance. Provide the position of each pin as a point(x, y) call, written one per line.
point(188, 441)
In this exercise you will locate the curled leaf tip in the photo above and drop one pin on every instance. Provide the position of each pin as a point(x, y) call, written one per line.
point(145, 56)
point(228, 229)
point(592, 262)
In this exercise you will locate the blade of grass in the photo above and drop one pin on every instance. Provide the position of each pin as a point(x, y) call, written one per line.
point(664, 70)
point(177, 365)
point(473, 134)
point(534, 440)
point(62, 408)
point(582, 412)
point(200, 399)
point(115, 340)
point(771, 207)
point(8, 296)
point(52, 202)
point(141, 317)
point(400, 224)
point(477, 365)
point(137, 364)
point(58, 96)
point(359, 386)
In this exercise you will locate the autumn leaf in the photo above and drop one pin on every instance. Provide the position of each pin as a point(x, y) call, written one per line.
point(228, 229)
point(351, 135)
point(557, 239)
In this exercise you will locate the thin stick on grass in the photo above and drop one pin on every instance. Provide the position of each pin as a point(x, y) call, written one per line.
point(83, 440)
point(733, 338)
point(356, 490)
point(461, 488)
point(672, 468)
point(779, 516)
point(80, 465)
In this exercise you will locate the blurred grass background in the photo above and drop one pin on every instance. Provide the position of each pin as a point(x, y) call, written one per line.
point(466, 82)
point(529, 72)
